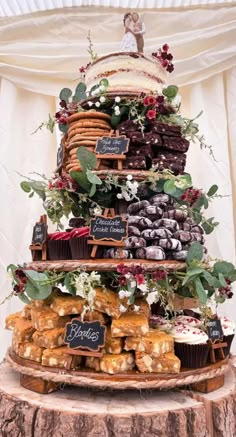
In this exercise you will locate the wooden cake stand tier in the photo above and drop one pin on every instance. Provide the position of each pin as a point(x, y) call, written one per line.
point(106, 265)
point(73, 412)
point(131, 380)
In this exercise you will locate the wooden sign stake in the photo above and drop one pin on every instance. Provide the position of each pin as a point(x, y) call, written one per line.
point(118, 158)
point(217, 347)
point(108, 212)
point(37, 248)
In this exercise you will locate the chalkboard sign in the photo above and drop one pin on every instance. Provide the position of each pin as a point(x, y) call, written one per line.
point(109, 228)
point(85, 335)
point(214, 330)
point(112, 145)
point(60, 155)
point(39, 233)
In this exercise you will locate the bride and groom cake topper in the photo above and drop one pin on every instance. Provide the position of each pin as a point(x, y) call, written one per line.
point(132, 40)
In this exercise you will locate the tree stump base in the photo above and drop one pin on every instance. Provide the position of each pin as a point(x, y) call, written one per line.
point(82, 412)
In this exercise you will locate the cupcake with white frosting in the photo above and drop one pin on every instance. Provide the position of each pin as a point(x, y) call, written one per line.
point(191, 345)
point(228, 328)
point(187, 320)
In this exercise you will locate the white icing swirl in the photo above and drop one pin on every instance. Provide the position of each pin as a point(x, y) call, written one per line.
point(187, 320)
point(228, 326)
point(187, 334)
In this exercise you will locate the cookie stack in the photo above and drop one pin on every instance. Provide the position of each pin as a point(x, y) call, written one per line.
point(161, 144)
point(84, 130)
point(158, 230)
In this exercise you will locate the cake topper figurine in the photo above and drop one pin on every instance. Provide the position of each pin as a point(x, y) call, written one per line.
point(132, 40)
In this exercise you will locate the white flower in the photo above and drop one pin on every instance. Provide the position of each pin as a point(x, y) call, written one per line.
point(117, 112)
point(143, 287)
point(96, 91)
point(151, 297)
point(102, 88)
point(136, 308)
point(102, 99)
point(117, 108)
point(97, 104)
point(122, 294)
point(95, 277)
point(117, 99)
point(122, 309)
point(97, 210)
point(90, 104)
point(119, 196)
point(129, 177)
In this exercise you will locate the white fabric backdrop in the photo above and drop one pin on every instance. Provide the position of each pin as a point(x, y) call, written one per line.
point(42, 52)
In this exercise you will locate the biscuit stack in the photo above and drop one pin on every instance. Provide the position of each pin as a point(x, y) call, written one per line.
point(84, 130)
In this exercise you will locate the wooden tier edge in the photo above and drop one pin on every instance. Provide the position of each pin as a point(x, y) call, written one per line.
point(131, 380)
point(103, 265)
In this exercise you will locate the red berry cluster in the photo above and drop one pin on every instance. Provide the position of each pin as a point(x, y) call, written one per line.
point(165, 58)
point(22, 279)
point(226, 292)
point(83, 69)
point(66, 110)
point(159, 275)
point(191, 195)
point(62, 183)
point(136, 272)
point(156, 104)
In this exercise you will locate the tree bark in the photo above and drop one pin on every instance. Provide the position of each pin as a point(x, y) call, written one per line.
point(80, 412)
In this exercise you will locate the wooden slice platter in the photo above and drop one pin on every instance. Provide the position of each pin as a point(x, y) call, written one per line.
point(129, 380)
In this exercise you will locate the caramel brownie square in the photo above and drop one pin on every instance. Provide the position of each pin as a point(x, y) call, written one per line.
point(117, 363)
point(23, 330)
point(11, 320)
point(93, 363)
point(45, 318)
point(130, 324)
point(67, 304)
point(113, 345)
point(108, 302)
point(49, 339)
point(179, 144)
point(167, 363)
point(26, 311)
point(154, 342)
point(60, 358)
point(31, 352)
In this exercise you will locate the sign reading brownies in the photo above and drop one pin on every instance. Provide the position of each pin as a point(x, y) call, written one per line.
point(85, 335)
point(214, 330)
point(109, 228)
point(112, 145)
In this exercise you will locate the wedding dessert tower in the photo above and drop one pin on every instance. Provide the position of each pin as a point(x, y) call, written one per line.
point(125, 295)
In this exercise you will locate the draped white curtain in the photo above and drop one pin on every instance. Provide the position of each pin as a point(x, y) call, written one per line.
point(41, 52)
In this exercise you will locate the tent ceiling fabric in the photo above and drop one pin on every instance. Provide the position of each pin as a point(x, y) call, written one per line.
point(43, 52)
point(10, 8)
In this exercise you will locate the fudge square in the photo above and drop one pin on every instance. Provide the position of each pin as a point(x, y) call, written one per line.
point(45, 318)
point(130, 324)
point(154, 342)
point(167, 363)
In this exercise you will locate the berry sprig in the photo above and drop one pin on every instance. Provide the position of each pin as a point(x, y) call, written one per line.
point(21, 281)
point(226, 292)
point(165, 58)
point(191, 195)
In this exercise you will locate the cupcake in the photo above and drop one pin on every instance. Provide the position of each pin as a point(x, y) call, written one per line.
point(189, 321)
point(58, 246)
point(159, 322)
point(228, 328)
point(80, 249)
point(191, 345)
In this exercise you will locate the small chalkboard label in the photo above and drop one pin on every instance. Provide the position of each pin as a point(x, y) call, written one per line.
point(112, 146)
point(60, 155)
point(109, 228)
point(85, 335)
point(214, 330)
point(39, 233)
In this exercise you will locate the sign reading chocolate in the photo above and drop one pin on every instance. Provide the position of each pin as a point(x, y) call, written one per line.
point(39, 233)
point(109, 228)
point(60, 155)
point(214, 330)
point(112, 145)
point(85, 335)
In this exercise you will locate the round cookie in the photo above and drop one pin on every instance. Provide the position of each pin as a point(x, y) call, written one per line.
point(90, 114)
point(88, 131)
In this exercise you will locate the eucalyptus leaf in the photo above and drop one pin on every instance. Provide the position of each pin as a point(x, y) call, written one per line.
point(23, 298)
point(169, 187)
point(37, 286)
point(63, 127)
point(31, 194)
point(104, 82)
point(65, 94)
point(205, 202)
point(81, 87)
point(68, 283)
point(93, 178)
point(195, 253)
point(25, 186)
point(87, 159)
point(223, 267)
point(212, 190)
point(170, 92)
point(81, 180)
point(93, 190)
point(115, 120)
point(200, 291)
point(222, 280)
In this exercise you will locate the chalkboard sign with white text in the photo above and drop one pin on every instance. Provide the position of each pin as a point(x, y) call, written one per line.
point(109, 228)
point(39, 233)
point(214, 330)
point(85, 335)
point(112, 145)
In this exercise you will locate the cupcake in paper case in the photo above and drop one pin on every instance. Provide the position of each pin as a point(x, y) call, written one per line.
point(80, 249)
point(191, 346)
point(58, 246)
point(228, 328)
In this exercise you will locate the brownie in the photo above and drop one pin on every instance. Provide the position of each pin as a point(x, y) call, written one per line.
point(166, 129)
point(137, 162)
point(173, 166)
point(139, 138)
point(128, 126)
point(143, 150)
point(179, 144)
